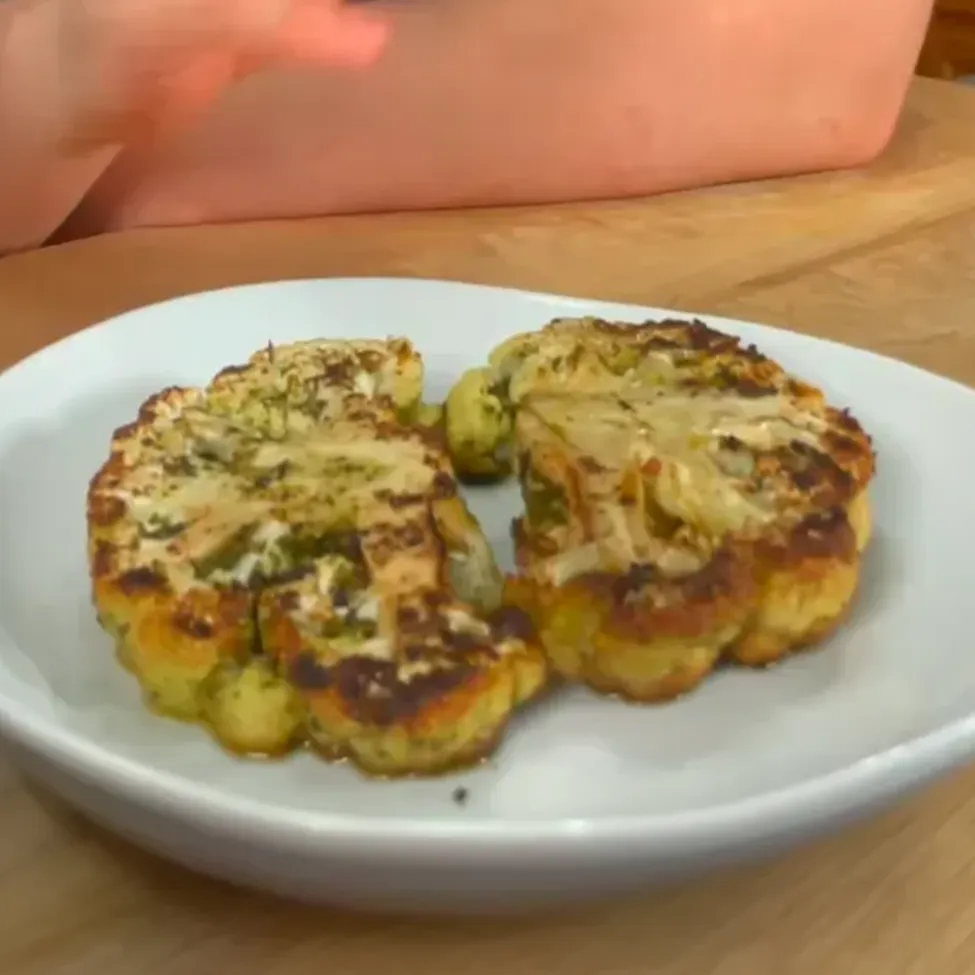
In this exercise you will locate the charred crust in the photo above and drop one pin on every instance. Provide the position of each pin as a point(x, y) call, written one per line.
point(703, 338)
point(750, 353)
point(824, 535)
point(731, 442)
point(147, 411)
point(630, 584)
point(725, 572)
point(433, 435)
point(748, 388)
point(347, 544)
point(229, 371)
point(273, 476)
point(528, 543)
point(340, 373)
point(810, 469)
point(644, 604)
point(105, 509)
point(283, 578)
point(185, 621)
point(179, 466)
point(415, 652)
point(434, 599)
point(848, 449)
point(613, 328)
point(287, 601)
point(670, 333)
point(798, 389)
point(420, 624)
point(722, 574)
point(126, 430)
point(387, 429)
point(444, 487)
point(411, 535)
point(659, 342)
point(503, 469)
point(103, 559)
point(161, 533)
point(136, 582)
point(308, 674)
point(372, 692)
point(465, 644)
point(389, 540)
point(370, 359)
point(845, 420)
point(511, 623)
point(409, 616)
point(407, 499)
point(360, 416)
point(517, 531)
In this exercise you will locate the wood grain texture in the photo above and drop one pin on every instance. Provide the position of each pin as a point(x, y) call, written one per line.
point(884, 258)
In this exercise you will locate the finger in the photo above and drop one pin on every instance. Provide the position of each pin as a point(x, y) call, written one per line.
point(172, 104)
point(190, 92)
point(338, 36)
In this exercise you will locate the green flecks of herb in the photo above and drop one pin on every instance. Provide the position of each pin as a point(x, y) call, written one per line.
point(157, 528)
point(347, 468)
point(303, 546)
point(228, 554)
point(349, 629)
point(660, 523)
point(180, 466)
point(273, 475)
point(626, 358)
point(545, 501)
point(500, 390)
point(303, 550)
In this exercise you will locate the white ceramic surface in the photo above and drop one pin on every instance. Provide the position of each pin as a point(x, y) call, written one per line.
point(587, 797)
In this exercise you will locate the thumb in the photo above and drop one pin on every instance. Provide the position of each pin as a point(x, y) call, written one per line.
point(335, 35)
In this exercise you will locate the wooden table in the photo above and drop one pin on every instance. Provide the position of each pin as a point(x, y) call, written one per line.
point(882, 258)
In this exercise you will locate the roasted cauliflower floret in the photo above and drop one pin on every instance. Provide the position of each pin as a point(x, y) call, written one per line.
point(685, 499)
point(283, 557)
point(477, 421)
point(252, 709)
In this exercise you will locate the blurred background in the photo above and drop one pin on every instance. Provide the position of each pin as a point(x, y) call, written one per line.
point(949, 51)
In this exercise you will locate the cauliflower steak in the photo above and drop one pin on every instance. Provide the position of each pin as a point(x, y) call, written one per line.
point(283, 556)
point(685, 498)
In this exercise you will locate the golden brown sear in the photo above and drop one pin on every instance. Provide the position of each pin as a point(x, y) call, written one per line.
point(686, 499)
point(283, 556)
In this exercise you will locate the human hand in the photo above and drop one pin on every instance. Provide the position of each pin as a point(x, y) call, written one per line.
point(132, 67)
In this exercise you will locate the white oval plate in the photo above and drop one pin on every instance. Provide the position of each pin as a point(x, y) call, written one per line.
point(587, 796)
